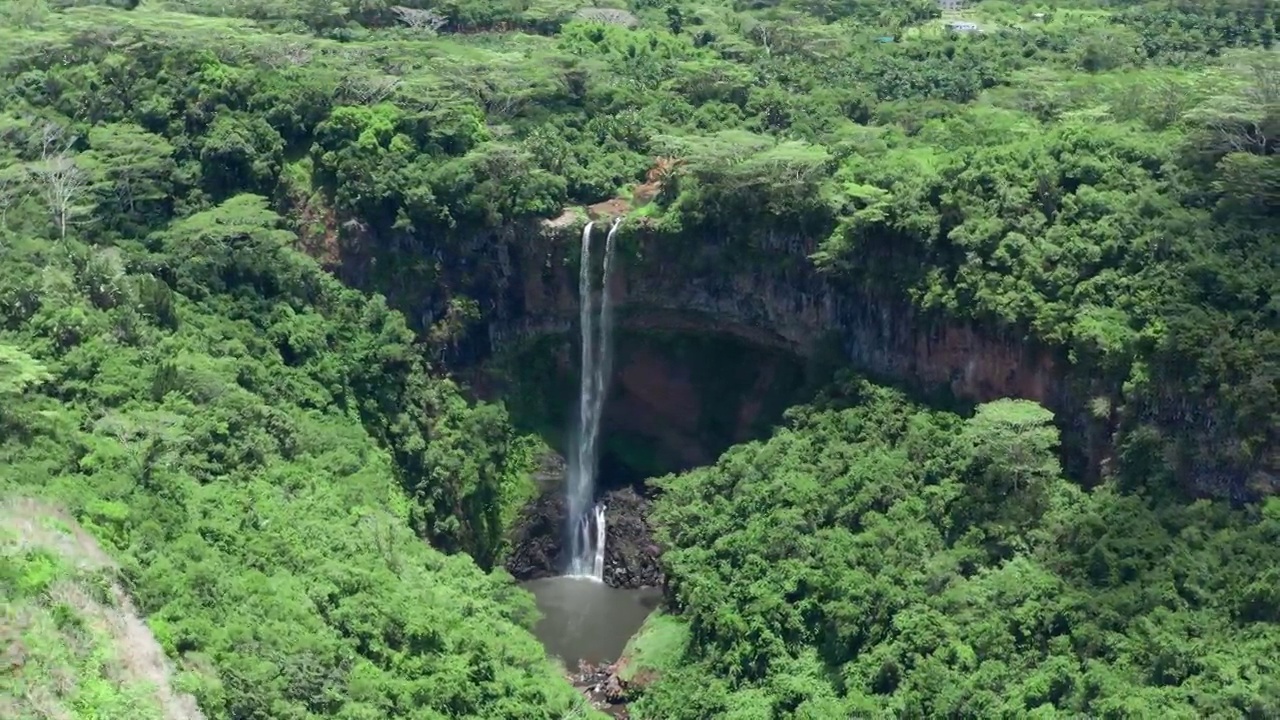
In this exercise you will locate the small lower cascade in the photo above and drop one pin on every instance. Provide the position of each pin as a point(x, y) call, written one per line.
point(586, 522)
point(592, 528)
point(597, 566)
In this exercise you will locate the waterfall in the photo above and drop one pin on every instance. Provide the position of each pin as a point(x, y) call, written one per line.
point(597, 562)
point(586, 531)
point(589, 536)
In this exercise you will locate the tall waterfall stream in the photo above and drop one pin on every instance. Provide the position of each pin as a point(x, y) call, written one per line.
point(586, 530)
point(584, 620)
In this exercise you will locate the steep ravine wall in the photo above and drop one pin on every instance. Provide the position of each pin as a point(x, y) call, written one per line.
point(768, 295)
point(783, 302)
point(767, 292)
point(676, 399)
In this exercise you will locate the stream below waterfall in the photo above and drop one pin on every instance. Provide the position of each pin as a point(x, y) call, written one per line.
point(584, 620)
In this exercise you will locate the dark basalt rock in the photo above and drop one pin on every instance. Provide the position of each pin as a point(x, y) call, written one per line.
point(631, 553)
point(537, 542)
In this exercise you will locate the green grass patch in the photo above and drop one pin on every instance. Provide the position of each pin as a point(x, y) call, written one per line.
point(657, 645)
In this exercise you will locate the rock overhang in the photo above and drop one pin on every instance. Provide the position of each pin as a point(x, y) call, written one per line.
point(766, 293)
point(766, 290)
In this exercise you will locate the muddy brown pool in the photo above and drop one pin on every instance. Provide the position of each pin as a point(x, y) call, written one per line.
point(587, 621)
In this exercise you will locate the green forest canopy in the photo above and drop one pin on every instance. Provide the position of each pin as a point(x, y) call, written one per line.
point(258, 446)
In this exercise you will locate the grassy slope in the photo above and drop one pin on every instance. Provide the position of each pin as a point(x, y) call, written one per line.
point(657, 645)
point(73, 642)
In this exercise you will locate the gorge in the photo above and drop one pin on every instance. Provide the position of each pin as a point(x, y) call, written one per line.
point(932, 373)
point(715, 337)
point(765, 294)
point(589, 623)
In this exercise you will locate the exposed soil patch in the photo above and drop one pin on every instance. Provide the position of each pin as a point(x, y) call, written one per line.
point(106, 622)
point(613, 207)
point(563, 220)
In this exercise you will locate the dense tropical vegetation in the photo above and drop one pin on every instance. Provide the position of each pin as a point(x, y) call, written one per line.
point(261, 449)
point(235, 439)
point(875, 559)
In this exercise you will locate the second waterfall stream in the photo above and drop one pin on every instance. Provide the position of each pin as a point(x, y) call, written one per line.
point(586, 518)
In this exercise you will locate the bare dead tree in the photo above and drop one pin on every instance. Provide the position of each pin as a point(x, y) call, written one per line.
point(59, 179)
point(53, 140)
point(608, 16)
point(62, 185)
point(428, 21)
point(368, 89)
point(286, 55)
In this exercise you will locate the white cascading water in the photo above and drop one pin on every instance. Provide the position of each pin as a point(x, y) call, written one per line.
point(586, 531)
point(597, 562)
point(590, 536)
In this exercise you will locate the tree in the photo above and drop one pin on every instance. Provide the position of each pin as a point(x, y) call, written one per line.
point(240, 152)
point(19, 371)
point(1011, 445)
point(1014, 441)
point(608, 16)
point(1246, 117)
point(238, 239)
point(283, 55)
point(152, 438)
point(1249, 184)
point(12, 190)
point(742, 175)
point(61, 181)
point(367, 89)
point(132, 173)
point(428, 21)
point(675, 19)
point(24, 13)
point(62, 185)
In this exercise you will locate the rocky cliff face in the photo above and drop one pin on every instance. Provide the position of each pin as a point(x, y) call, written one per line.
point(773, 298)
point(676, 400)
point(770, 295)
point(783, 303)
point(631, 558)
